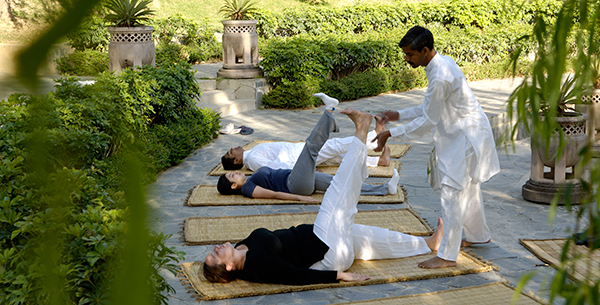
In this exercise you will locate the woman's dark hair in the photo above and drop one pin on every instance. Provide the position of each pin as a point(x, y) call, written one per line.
point(228, 163)
point(224, 186)
point(417, 38)
point(218, 273)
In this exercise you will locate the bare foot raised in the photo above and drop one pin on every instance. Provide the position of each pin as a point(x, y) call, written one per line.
point(436, 262)
point(361, 120)
point(433, 241)
point(384, 159)
point(465, 243)
point(379, 123)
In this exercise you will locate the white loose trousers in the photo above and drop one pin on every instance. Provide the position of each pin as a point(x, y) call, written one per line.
point(335, 226)
point(461, 209)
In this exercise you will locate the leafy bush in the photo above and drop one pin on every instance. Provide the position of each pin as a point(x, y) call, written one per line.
point(374, 82)
point(87, 62)
point(366, 18)
point(91, 34)
point(180, 39)
point(168, 53)
point(292, 95)
point(62, 156)
point(350, 66)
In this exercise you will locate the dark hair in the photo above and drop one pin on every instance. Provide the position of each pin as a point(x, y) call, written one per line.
point(224, 186)
point(228, 163)
point(218, 273)
point(417, 38)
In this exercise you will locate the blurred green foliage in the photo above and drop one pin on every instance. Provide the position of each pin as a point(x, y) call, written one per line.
point(64, 163)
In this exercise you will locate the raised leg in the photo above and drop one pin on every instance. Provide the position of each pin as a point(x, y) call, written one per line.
point(301, 180)
point(335, 219)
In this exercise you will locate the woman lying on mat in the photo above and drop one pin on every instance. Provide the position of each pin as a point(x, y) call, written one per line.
point(301, 181)
point(319, 253)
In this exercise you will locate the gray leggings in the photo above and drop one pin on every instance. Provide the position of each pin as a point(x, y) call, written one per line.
point(304, 180)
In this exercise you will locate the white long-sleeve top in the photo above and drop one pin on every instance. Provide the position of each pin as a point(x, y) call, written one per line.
point(459, 125)
point(284, 154)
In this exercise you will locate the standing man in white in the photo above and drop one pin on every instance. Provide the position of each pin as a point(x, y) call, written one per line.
point(463, 141)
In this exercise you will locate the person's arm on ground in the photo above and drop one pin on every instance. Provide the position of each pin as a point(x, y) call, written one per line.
point(260, 192)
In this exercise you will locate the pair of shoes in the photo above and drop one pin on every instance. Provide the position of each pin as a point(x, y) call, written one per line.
point(246, 130)
point(229, 129)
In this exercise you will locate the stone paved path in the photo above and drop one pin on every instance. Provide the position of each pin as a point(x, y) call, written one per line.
point(508, 215)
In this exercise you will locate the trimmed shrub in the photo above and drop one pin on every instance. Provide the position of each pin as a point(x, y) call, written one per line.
point(367, 18)
point(291, 95)
point(87, 62)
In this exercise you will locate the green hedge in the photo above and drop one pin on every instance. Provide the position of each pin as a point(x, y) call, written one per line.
point(366, 18)
point(62, 157)
point(350, 66)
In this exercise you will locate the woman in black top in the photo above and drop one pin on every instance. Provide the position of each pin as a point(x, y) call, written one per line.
point(319, 253)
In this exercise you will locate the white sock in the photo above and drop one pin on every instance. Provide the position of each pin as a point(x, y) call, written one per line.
point(393, 183)
point(330, 102)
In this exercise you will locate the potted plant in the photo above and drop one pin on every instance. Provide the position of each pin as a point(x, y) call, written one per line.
point(542, 105)
point(240, 40)
point(131, 41)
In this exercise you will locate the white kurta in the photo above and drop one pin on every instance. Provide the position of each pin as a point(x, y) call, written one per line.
point(465, 148)
point(284, 154)
point(458, 123)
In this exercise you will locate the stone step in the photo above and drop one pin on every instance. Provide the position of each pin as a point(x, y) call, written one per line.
point(217, 96)
point(207, 84)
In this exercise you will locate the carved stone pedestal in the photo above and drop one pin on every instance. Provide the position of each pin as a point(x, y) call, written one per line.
point(240, 50)
point(130, 47)
point(549, 175)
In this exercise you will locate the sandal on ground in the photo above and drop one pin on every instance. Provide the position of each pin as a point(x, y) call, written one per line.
point(246, 130)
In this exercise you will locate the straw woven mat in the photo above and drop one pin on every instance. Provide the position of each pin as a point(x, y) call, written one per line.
point(379, 171)
point(396, 150)
point(497, 293)
point(550, 250)
point(217, 230)
point(380, 271)
point(208, 195)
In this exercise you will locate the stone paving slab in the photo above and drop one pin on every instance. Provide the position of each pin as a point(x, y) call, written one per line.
point(508, 215)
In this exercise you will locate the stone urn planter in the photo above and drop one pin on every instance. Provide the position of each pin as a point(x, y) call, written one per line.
point(592, 101)
point(240, 50)
point(549, 175)
point(130, 47)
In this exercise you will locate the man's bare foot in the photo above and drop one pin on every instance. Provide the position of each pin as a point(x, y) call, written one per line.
point(384, 159)
point(361, 120)
point(433, 241)
point(379, 123)
point(465, 243)
point(436, 262)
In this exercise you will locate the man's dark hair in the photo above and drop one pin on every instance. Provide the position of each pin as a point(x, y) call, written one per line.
point(228, 164)
point(417, 38)
point(224, 186)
